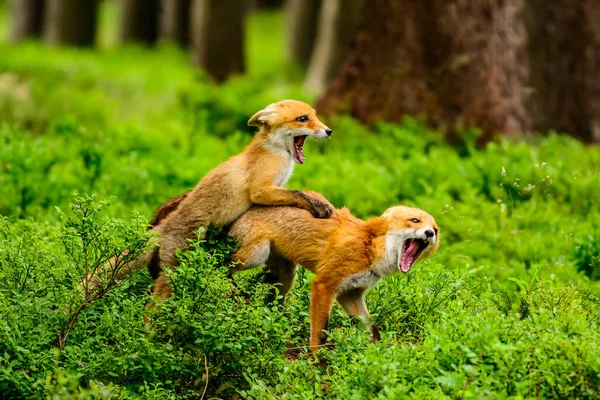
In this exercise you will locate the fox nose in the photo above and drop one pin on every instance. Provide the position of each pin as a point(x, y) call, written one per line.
point(429, 233)
point(328, 132)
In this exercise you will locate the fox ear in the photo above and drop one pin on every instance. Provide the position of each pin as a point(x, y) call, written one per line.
point(262, 117)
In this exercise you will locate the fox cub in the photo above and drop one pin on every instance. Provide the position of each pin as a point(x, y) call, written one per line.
point(347, 255)
point(255, 176)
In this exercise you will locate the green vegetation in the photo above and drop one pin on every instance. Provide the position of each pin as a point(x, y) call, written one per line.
point(508, 308)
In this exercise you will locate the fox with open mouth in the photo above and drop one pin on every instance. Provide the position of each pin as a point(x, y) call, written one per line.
point(348, 255)
point(255, 176)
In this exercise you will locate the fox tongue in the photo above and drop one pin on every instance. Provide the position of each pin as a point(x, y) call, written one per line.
point(298, 145)
point(408, 257)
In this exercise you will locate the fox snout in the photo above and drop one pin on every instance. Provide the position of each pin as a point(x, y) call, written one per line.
point(427, 234)
point(312, 122)
point(323, 133)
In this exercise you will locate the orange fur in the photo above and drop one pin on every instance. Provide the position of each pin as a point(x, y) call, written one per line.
point(348, 255)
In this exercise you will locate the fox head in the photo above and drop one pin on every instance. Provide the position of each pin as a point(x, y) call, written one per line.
point(287, 124)
point(413, 233)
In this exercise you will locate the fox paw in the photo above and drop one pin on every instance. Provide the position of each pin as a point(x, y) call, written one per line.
point(320, 209)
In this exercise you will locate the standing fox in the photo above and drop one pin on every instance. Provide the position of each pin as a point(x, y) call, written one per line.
point(347, 255)
point(255, 176)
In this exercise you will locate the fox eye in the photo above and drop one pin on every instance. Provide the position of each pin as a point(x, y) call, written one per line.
point(415, 221)
point(303, 118)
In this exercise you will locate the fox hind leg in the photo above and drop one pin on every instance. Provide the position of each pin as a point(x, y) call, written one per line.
point(282, 274)
point(162, 287)
point(165, 256)
point(251, 255)
point(248, 256)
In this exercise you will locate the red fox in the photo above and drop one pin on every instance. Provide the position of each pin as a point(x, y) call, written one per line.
point(255, 176)
point(347, 255)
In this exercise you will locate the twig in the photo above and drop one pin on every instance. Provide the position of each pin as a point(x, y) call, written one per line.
point(291, 387)
point(63, 334)
point(206, 384)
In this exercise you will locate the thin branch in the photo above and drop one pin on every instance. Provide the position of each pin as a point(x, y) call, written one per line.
point(206, 384)
point(63, 334)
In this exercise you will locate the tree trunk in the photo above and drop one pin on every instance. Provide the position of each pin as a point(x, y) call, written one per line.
point(564, 50)
point(70, 22)
point(218, 36)
point(301, 17)
point(338, 20)
point(175, 21)
point(27, 17)
point(139, 21)
point(461, 63)
point(265, 4)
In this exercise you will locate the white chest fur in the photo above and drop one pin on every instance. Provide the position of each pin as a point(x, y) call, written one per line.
point(285, 173)
point(385, 267)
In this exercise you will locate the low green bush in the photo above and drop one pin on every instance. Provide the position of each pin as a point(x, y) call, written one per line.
point(447, 332)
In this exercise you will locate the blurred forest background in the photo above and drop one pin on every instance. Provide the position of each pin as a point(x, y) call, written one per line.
point(504, 66)
point(483, 113)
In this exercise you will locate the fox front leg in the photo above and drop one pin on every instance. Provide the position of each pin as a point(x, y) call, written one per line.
point(353, 302)
point(276, 196)
point(322, 298)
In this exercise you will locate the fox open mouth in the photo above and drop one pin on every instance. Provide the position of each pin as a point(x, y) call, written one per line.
point(412, 249)
point(298, 145)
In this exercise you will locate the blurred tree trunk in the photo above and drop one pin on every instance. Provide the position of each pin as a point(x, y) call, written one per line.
point(254, 4)
point(175, 21)
point(139, 21)
point(70, 22)
point(461, 63)
point(218, 36)
point(337, 23)
point(301, 21)
point(564, 49)
point(27, 17)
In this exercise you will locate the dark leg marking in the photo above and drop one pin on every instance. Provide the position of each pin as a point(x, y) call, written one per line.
point(375, 332)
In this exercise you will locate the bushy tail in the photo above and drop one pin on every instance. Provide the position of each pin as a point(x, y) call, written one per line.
point(117, 268)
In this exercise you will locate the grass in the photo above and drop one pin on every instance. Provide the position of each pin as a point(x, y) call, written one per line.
point(508, 308)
